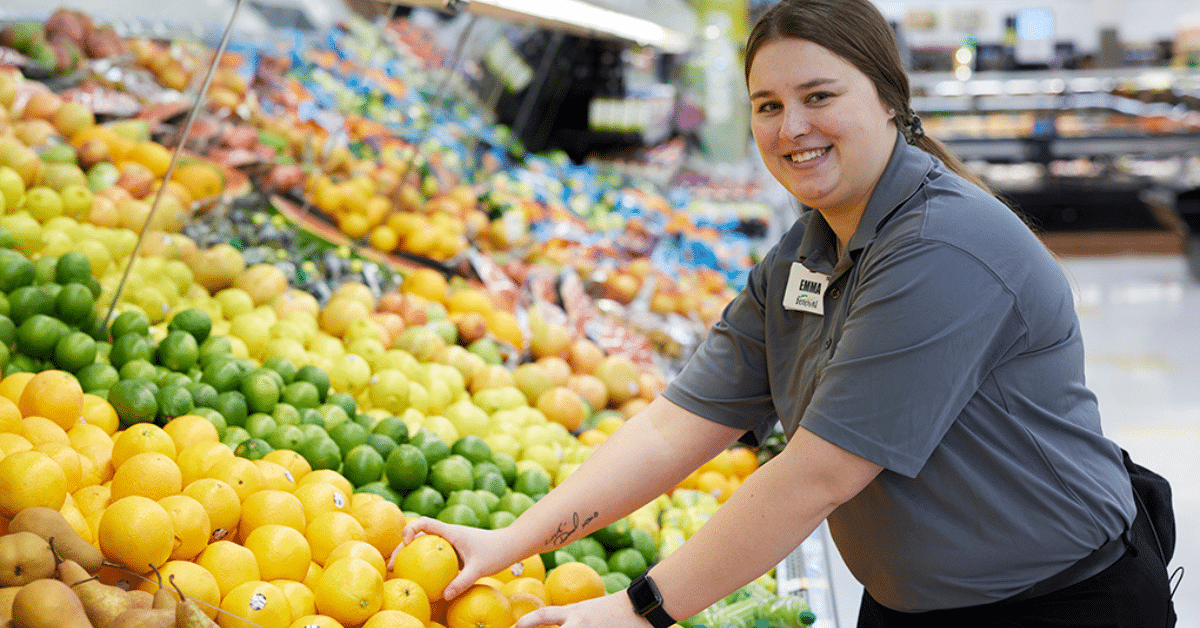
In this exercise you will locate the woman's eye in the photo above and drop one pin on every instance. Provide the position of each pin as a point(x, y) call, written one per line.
point(817, 97)
point(767, 107)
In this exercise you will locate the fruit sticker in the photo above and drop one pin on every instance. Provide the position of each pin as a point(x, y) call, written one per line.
point(258, 601)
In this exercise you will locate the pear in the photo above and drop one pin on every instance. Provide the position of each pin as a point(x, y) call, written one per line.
point(188, 613)
point(50, 524)
point(48, 603)
point(102, 602)
point(145, 618)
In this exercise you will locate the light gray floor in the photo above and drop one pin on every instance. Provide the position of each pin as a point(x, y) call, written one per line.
point(1140, 318)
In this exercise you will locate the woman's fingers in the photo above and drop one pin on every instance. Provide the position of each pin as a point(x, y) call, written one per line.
point(546, 616)
point(428, 525)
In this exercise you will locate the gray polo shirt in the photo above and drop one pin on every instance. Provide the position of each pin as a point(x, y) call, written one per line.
point(949, 353)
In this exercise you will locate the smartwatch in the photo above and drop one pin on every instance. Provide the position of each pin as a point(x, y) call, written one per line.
point(647, 602)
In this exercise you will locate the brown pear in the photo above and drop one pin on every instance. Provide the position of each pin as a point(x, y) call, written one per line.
point(141, 599)
point(50, 524)
point(102, 602)
point(163, 599)
point(48, 603)
point(145, 618)
point(24, 557)
point(188, 613)
point(7, 594)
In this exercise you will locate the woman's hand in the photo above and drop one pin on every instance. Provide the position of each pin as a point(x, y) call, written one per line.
point(609, 611)
point(482, 552)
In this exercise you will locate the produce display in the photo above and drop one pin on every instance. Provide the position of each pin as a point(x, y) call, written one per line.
point(348, 308)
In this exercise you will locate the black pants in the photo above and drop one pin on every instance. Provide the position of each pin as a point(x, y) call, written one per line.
point(1133, 592)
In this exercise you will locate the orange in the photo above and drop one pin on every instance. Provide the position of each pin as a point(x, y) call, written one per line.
point(290, 460)
point(97, 411)
point(359, 549)
point(430, 561)
point(350, 591)
point(86, 434)
point(149, 474)
point(319, 498)
point(401, 594)
point(231, 564)
point(573, 582)
point(91, 499)
point(330, 530)
point(743, 461)
point(10, 416)
point(721, 463)
point(313, 576)
point(201, 179)
point(300, 598)
point(271, 506)
point(504, 326)
point(13, 385)
point(190, 429)
point(281, 551)
point(339, 312)
point(30, 478)
point(189, 521)
point(428, 283)
point(77, 521)
point(357, 500)
point(220, 501)
point(68, 460)
point(255, 604)
point(393, 619)
point(195, 460)
point(358, 291)
point(193, 580)
point(328, 476)
point(152, 155)
point(592, 437)
point(713, 483)
point(89, 474)
point(480, 606)
point(470, 300)
point(101, 457)
point(12, 443)
point(240, 473)
point(526, 585)
point(524, 603)
point(315, 621)
point(141, 438)
point(55, 395)
point(38, 430)
point(383, 523)
point(275, 476)
point(136, 532)
point(490, 582)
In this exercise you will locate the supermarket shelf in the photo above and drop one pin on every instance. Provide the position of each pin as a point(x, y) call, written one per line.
point(1042, 149)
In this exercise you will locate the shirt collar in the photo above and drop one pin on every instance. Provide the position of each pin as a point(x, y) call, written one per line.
point(903, 175)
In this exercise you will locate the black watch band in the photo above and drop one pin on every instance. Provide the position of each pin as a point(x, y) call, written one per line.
point(647, 602)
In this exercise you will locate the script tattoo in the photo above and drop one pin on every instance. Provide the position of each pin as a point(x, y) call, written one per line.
point(564, 533)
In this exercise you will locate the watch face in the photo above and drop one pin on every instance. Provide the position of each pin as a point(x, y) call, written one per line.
point(644, 595)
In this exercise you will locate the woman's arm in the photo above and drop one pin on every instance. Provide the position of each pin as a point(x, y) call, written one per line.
point(644, 458)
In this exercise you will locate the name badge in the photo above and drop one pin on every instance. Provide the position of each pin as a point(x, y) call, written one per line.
point(805, 290)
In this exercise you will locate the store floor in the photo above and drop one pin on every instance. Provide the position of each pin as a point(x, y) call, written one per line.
point(1139, 312)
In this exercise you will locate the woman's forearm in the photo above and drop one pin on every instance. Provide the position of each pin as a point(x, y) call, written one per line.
point(641, 460)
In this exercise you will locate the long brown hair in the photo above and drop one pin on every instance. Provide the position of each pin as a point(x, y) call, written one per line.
point(856, 31)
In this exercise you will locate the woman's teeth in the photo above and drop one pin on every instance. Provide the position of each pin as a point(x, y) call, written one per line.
point(809, 155)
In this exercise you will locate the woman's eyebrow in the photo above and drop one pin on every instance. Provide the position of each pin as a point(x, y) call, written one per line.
point(803, 86)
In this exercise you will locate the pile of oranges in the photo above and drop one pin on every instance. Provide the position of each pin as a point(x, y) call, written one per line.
point(722, 475)
point(269, 543)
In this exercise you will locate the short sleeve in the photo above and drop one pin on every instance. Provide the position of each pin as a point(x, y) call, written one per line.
point(726, 378)
point(926, 325)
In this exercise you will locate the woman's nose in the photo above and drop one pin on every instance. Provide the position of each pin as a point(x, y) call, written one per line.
point(795, 123)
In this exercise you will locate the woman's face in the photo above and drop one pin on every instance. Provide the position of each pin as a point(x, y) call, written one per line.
point(819, 123)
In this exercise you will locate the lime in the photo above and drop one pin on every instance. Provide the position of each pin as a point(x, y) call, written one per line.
point(194, 321)
point(321, 453)
point(316, 376)
point(312, 431)
point(73, 304)
point(260, 424)
point(282, 365)
point(173, 401)
point(139, 369)
point(178, 351)
point(473, 448)
point(434, 448)
point(459, 514)
point(643, 542)
point(484, 468)
point(285, 437)
point(6, 238)
point(334, 415)
point(596, 563)
point(134, 401)
point(214, 347)
point(367, 421)
point(171, 378)
point(223, 375)
point(310, 416)
point(562, 557)
point(5, 355)
point(261, 390)
point(532, 482)
point(362, 465)
point(27, 301)
point(615, 582)
point(345, 400)
point(452, 473)
point(234, 436)
point(426, 501)
point(93, 284)
point(500, 519)
point(405, 468)
point(75, 351)
point(73, 266)
point(3, 304)
point(586, 546)
point(393, 427)
point(129, 322)
point(21, 363)
point(381, 443)
point(381, 489)
point(131, 346)
point(301, 394)
point(488, 498)
point(43, 270)
point(8, 330)
point(39, 334)
point(628, 561)
point(514, 502)
point(232, 405)
point(213, 417)
point(492, 483)
point(15, 270)
point(348, 435)
point(471, 500)
point(615, 535)
point(203, 395)
point(97, 376)
point(252, 448)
